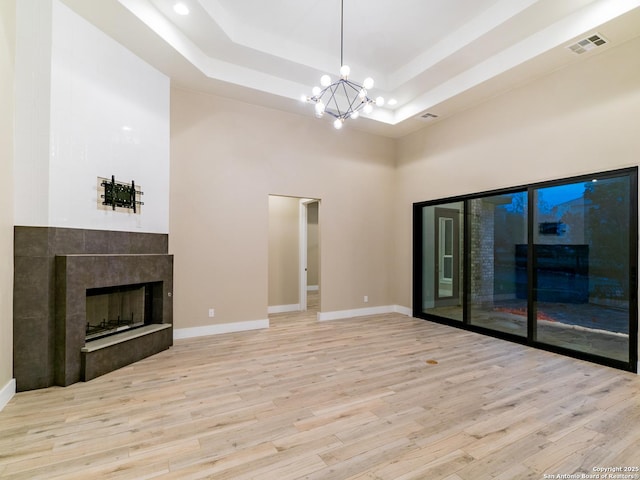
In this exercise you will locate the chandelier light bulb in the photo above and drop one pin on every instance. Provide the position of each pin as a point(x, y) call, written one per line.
point(316, 91)
point(379, 101)
point(345, 71)
point(337, 124)
point(304, 98)
point(320, 108)
point(325, 80)
point(368, 83)
point(355, 114)
point(368, 108)
point(362, 93)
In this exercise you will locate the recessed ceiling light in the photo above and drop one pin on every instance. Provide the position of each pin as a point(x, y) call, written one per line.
point(181, 9)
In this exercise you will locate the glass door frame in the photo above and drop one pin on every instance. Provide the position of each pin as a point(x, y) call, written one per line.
point(530, 339)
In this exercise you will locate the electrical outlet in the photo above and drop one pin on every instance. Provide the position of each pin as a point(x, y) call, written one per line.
point(212, 313)
point(366, 298)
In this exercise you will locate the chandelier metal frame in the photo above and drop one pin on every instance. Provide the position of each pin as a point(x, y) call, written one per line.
point(342, 98)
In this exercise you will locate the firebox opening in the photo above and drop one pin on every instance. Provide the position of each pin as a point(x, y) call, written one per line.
point(114, 309)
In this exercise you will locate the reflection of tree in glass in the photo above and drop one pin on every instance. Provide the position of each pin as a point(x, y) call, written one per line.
point(510, 229)
point(543, 205)
point(510, 220)
point(518, 203)
point(607, 233)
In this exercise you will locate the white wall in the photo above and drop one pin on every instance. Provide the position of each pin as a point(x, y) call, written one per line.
point(7, 41)
point(87, 108)
point(32, 99)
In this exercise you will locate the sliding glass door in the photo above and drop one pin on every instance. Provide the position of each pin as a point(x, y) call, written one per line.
point(441, 270)
point(498, 262)
point(581, 263)
point(550, 265)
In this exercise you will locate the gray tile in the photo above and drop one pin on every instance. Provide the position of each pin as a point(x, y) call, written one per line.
point(32, 286)
point(30, 241)
point(149, 243)
point(32, 354)
point(64, 241)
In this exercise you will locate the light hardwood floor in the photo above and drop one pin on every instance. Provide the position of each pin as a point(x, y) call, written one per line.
point(380, 397)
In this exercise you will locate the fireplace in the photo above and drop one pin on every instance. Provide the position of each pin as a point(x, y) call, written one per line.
point(111, 310)
point(128, 295)
point(87, 302)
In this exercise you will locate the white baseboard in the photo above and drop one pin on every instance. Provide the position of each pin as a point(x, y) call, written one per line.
point(361, 312)
point(218, 329)
point(313, 288)
point(294, 307)
point(7, 392)
point(403, 310)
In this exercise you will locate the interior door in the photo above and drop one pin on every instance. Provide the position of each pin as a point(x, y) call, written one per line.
point(304, 244)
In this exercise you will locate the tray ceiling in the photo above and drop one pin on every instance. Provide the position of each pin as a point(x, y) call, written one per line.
point(432, 57)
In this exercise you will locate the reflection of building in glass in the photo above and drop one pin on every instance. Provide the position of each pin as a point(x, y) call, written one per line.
point(593, 224)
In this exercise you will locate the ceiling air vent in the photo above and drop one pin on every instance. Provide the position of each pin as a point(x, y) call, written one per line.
point(428, 116)
point(586, 44)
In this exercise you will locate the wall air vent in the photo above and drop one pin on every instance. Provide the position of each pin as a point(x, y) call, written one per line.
point(586, 44)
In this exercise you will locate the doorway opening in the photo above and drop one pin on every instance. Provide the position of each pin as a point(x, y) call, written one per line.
point(294, 254)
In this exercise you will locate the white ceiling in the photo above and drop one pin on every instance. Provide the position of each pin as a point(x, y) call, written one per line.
point(435, 56)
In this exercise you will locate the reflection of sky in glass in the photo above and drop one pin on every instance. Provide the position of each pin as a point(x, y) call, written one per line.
point(554, 196)
point(547, 198)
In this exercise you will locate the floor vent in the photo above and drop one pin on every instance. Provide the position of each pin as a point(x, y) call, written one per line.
point(586, 44)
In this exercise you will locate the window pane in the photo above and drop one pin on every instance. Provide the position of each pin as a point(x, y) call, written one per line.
point(448, 236)
point(442, 245)
point(448, 269)
point(498, 257)
point(581, 265)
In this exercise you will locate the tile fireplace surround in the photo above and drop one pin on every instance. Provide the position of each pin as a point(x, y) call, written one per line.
point(53, 268)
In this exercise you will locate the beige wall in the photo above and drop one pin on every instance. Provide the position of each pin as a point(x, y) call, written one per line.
point(7, 49)
point(578, 120)
point(227, 157)
point(284, 250)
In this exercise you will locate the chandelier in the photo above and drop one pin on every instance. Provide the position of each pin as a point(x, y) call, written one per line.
point(342, 98)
